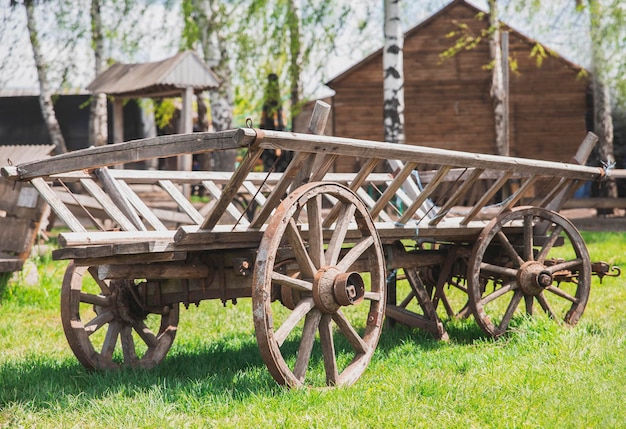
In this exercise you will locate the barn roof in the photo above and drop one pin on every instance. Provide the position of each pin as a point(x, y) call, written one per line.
point(19, 154)
point(421, 26)
point(157, 79)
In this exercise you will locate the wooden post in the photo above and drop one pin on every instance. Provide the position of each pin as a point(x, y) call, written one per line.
point(505, 85)
point(185, 162)
point(118, 120)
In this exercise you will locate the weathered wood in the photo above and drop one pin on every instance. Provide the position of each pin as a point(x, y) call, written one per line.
point(426, 192)
point(421, 154)
point(181, 201)
point(106, 203)
point(231, 189)
point(164, 270)
point(132, 151)
point(112, 188)
point(57, 205)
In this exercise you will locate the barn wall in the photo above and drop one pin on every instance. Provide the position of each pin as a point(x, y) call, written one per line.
point(448, 103)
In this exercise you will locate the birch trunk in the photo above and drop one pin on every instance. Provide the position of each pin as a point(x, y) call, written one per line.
point(603, 121)
point(98, 131)
point(497, 92)
point(45, 95)
point(221, 98)
point(295, 56)
point(393, 74)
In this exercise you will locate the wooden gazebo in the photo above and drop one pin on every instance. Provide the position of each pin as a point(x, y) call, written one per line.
point(177, 76)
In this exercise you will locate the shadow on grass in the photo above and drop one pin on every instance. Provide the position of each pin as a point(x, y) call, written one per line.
point(230, 366)
point(225, 367)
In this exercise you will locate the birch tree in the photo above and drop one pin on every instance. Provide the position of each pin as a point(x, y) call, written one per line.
point(603, 122)
point(98, 129)
point(45, 93)
point(497, 92)
point(393, 74)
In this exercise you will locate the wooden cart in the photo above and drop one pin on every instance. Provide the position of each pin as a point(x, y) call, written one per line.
point(324, 256)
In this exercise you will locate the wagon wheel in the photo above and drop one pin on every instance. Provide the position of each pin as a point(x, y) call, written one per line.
point(543, 262)
point(106, 328)
point(337, 283)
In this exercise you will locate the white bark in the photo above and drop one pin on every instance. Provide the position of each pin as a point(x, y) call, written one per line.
point(603, 121)
point(45, 94)
point(98, 131)
point(393, 74)
point(497, 92)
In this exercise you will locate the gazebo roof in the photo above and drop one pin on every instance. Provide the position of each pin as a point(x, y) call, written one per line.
point(157, 79)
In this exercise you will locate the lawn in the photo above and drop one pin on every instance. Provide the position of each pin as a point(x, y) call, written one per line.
point(540, 375)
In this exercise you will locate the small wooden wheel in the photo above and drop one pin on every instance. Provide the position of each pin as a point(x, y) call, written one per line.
point(106, 327)
point(533, 255)
point(335, 286)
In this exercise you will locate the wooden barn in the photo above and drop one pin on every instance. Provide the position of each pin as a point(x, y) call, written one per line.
point(448, 103)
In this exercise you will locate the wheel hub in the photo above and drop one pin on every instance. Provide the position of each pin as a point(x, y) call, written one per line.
point(126, 308)
point(333, 289)
point(533, 278)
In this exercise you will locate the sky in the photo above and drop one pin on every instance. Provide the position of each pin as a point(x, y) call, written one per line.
point(547, 29)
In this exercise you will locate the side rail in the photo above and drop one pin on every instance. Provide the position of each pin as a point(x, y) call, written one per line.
point(433, 209)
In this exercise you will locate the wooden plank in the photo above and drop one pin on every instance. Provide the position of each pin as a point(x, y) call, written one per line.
point(131, 259)
point(456, 196)
point(163, 270)
point(230, 208)
point(281, 187)
point(421, 154)
point(141, 207)
point(486, 197)
point(513, 199)
point(112, 188)
point(426, 192)
point(106, 204)
point(355, 185)
point(57, 205)
point(133, 151)
point(392, 188)
point(183, 203)
point(231, 189)
point(71, 239)
point(15, 234)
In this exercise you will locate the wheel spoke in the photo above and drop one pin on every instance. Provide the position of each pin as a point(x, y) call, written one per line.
point(328, 350)
point(146, 334)
point(372, 296)
point(498, 293)
point(546, 306)
point(128, 345)
point(564, 266)
point(89, 298)
point(497, 269)
point(339, 234)
point(111, 339)
point(528, 300)
point(303, 308)
point(549, 244)
point(354, 253)
point(508, 315)
point(306, 344)
point(291, 282)
point(302, 256)
point(351, 335)
point(98, 322)
point(316, 240)
point(510, 250)
point(561, 293)
point(104, 286)
point(528, 238)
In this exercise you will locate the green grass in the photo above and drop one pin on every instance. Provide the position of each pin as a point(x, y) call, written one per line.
point(542, 375)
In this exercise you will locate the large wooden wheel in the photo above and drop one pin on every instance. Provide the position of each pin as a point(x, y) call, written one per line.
point(319, 292)
point(525, 257)
point(105, 326)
